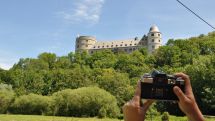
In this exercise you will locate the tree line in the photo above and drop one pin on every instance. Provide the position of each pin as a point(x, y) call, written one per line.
point(116, 73)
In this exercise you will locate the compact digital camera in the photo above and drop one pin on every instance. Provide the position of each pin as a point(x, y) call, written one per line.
point(159, 86)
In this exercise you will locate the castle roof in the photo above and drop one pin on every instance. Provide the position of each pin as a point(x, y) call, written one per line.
point(117, 43)
point(154, 28)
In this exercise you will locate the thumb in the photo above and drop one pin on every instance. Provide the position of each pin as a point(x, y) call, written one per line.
point(181, 96)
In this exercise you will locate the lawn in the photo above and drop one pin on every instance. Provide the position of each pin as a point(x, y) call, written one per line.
point(54, 118)
point(47, 118)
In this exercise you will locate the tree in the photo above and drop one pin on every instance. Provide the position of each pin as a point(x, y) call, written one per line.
point(49, 58)
point(63, 62)
point(81, 58)
point(6, 97)
point(102, 59)
point(117, 84)
point(70, 78)
point(168, 55)
point(144, 51)
point(133, 64)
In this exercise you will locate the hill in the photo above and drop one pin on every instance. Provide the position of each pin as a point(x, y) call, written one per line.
point(118, 73)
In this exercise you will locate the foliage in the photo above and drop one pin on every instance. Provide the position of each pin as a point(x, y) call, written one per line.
point(152, 112)
point(115, 83)
point(31, 104)
point(165, 116)
point(6, 97)
point(86, 101)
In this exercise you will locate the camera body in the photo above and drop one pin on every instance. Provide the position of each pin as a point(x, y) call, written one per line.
point(159, 86)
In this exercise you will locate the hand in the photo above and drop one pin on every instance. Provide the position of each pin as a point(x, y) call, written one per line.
point(187, 101)
point(133, 110)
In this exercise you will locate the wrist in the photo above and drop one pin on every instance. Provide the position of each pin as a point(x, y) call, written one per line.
point(196, 114)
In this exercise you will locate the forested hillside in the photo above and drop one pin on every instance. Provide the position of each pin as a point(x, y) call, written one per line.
point(115, 73)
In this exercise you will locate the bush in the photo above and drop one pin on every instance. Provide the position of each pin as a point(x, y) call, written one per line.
point(86, 101)
point(165, 116)
point(152, 111)
point(6, 97)
point(31, 104)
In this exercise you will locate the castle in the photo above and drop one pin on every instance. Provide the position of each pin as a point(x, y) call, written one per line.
point(152, 41)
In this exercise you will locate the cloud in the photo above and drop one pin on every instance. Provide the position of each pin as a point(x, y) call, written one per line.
point(7, 63)
point(84, 11)
point(7, 59)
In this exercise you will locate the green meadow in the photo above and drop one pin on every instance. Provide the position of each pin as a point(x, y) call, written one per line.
point(55, 118)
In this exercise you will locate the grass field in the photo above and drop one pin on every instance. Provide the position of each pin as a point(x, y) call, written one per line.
point(47, 118)
point(52, 118)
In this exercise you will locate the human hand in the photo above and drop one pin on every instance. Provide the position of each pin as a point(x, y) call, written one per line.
point(187, 102)
point(134, 110)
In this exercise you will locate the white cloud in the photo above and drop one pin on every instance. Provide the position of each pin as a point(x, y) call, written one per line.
point(7, 63)
point(7, 59)
point(84, 11)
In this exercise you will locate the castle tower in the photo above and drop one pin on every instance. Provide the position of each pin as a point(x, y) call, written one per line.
point(154, 39)
point(84, 43)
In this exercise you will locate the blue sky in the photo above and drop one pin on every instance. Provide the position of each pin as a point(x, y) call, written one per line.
point(30, 27)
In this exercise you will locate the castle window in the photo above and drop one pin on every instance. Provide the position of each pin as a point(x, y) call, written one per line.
point(135, 44)
point(107, 46)
point(111, 45)
point(159, 40)
point(153, 40)
point(91, 52)
point(121, 45)
point(159, 35)
point(98, 46)
point(86, 40)
point(130, 44)
point(136, 38)
point(125, 44)
point(103, 46)
point(153, 47)
point(153, 34)
point(94, 47)
point(86, 45)
point(116, 45)
point(77, 46)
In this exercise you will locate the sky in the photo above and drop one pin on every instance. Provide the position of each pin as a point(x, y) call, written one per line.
point(31, 27)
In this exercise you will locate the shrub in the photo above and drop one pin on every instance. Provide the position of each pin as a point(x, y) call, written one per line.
point(31, 104)
point(165, 116)
point(6, 97)
point(86, 101)
point(152, 111)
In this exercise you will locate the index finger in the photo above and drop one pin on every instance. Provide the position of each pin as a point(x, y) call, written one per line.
point(136, 99)
point(188, 88)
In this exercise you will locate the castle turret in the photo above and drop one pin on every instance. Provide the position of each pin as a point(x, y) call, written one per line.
point(84, 43)
point(154, 39)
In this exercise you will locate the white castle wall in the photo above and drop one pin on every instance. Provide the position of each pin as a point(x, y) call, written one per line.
point(151, 42)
